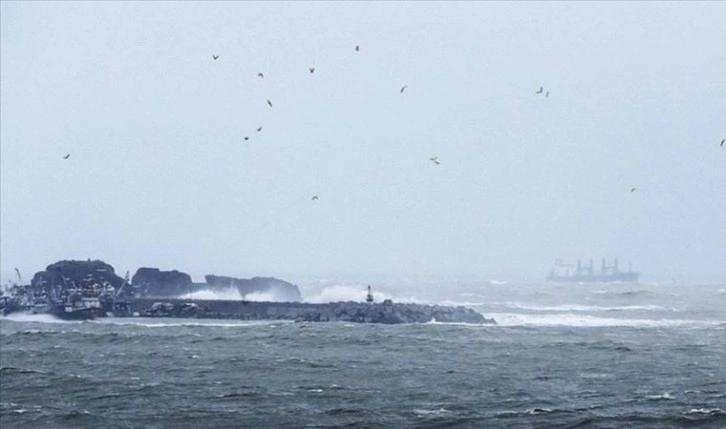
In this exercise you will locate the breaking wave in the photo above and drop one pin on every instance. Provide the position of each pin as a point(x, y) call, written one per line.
point(153, 323)
point(232, 294)
point(38, 318)
point(578, 307)
point(582, 320)
point(338, 293)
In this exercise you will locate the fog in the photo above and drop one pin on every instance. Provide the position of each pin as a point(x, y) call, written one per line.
point(160, 175)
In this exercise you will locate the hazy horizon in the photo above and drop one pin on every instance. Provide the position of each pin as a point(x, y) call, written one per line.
point(159, 173)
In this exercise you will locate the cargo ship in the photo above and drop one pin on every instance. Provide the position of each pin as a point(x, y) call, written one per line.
point(564, 272)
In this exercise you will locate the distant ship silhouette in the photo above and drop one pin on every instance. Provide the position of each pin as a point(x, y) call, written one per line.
point(586, 274)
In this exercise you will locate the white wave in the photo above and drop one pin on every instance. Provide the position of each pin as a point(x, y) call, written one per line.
point(538, 410)
point(152, 323)
point(581, 320)
point(338, 293)
point(463, 303)
point(664, 396)
point(705, 411)
point(263, 296)
point(228, 294)
point(39, 318)
point(232, 294)
point(440, 412)
point(578, 307)
point(433, 321)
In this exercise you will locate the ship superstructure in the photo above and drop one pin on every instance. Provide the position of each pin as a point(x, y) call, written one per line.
point(564, 272)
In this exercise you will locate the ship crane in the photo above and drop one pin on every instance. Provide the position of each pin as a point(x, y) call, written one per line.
point(119, 304)
point(121, 288)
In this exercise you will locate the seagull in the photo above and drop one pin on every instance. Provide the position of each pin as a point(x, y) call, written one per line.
point(259, 129)
point(357, 48)
point(722, 142)
point(547, 94)
point(269, 102)
point(247, 138)
point(260, 74)
point(69, 155)
point(315, 197)
point(215, 57)
point(435, 159)
point(312, 69)
point(632, 190)
point(540, 90)
point(403, 88)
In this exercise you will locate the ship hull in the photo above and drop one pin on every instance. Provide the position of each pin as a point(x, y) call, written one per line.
point(619, 278)
point(66, 313)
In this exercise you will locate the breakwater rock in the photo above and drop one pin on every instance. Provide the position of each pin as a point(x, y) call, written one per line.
point(387, 312)
point(390, 313)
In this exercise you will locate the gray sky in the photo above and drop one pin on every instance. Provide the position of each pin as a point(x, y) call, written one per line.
point(160, 175)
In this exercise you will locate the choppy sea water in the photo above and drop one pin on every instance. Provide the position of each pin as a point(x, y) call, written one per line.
point(567, 356)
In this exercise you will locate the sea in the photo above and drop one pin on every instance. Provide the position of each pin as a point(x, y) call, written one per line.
point(560, 356)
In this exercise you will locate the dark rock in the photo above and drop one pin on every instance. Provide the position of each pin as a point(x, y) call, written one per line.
point(76, 274)
point(282, 290)
point(153, 282)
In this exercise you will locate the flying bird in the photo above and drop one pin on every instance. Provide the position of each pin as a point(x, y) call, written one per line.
point(259, 129)
point(260, 74)
point(632, 190)
point(215, 57)
point(312, 69)
point(722, 142)
point(403, 88)
point(67, 156)
point(357, 48)
point(315, 197)
point(435, 159)
point(547, 94)
point(247, 138)
point(540, 90)
point(269, 102)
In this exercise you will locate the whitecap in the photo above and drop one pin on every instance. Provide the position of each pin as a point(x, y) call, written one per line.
point(538, 410)
point(664, 396)
point(579, 307)
point(705, 411)
point(582, 320)
point(439, 412)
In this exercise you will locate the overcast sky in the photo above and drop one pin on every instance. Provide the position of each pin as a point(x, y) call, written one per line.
point(160, 175)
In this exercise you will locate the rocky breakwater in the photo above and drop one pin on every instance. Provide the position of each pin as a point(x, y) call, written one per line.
point(356, 312)
point(390, 313)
